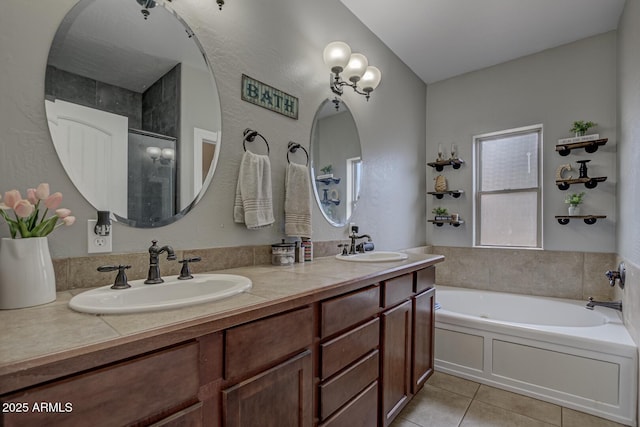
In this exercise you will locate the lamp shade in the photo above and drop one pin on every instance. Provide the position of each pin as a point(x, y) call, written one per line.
point(168, 153)
point(355, 68)
point(371, 79)
point(336, 56)
point(154, 152)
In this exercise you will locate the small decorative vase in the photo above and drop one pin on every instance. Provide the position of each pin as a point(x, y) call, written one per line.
point(574, 210)
point(26, 273)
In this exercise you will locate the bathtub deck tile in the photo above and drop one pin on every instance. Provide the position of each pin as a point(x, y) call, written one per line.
point(481, 414)
point(435, 407)
point(571, 418)
point(454, 384)
point(523, 405)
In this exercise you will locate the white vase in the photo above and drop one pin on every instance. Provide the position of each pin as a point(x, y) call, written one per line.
point(26, 273)
point(574, 210)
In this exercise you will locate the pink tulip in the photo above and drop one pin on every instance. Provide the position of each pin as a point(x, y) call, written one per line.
point(68, 220)
point(23, 208)
point(12, 197)
point(53, 201)
point(31, 196)
point(63, 213)
point(42, 192)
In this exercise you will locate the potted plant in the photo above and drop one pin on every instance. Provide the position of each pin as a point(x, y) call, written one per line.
point(574, 201)
point(580, 127)
point(441, 214)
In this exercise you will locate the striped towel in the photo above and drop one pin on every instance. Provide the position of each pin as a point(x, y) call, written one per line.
point(254, 201)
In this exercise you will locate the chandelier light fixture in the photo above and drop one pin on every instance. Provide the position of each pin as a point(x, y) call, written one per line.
point(150, 4)
point(350, 69)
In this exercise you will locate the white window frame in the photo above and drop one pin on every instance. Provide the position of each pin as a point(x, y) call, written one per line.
point(476, 182)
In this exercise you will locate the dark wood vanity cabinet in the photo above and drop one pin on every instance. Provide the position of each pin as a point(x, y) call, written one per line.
point(269, 372)
point(349, 359)
point(378, 340)
point(407, 328)
point(161, 386)
point(353, 360)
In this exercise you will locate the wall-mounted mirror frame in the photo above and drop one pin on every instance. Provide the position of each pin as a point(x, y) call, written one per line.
point(335, 161)
point(133, 110)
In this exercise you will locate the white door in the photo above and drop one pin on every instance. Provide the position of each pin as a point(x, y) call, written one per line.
point(92, 146)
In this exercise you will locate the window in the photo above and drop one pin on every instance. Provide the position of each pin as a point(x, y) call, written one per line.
point(507, 188)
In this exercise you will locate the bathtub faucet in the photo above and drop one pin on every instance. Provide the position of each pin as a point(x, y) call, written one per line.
point(616, 305)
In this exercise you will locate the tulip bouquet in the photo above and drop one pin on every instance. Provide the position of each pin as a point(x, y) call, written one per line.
point(28, 220)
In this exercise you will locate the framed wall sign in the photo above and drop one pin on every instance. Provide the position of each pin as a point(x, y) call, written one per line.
point(258, 93)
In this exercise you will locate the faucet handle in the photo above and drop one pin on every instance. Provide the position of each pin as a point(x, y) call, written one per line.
point(345, 250)
point(121, 277)
point(185, 271)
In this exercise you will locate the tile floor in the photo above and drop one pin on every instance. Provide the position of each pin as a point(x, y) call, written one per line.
point(448, 401)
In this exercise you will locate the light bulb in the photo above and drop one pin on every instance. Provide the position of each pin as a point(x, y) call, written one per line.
point(371, 79)
point(154, 152)
point(168, 153)
point(336, 56)
point(355, 68)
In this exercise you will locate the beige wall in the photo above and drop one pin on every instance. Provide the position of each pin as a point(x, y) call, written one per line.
point(555, 87)
point(279, 42)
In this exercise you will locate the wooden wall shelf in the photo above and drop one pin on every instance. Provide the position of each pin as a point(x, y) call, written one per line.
point(564, 184)
point(589, 146)
point(440, 223)
point(440, 164)
point(588, 219)
point(440, 194)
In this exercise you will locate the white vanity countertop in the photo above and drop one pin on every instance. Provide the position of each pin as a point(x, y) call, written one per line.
point(45, 334)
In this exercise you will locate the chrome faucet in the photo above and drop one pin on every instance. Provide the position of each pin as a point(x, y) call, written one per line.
point(616, 305)
point(617, 275)
point(154, 267)
point(354, 236)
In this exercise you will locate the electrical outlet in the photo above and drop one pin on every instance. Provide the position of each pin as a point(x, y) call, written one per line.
point(97, 244)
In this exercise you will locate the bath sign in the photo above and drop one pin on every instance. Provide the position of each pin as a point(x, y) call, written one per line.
point(268, 97)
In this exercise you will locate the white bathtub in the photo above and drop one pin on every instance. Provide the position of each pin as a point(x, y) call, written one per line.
point(551, 349)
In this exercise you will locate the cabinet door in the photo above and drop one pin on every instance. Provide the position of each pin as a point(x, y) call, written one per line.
point(423, 330)
point(136, 391)
point(279, 397)
point(396, 360)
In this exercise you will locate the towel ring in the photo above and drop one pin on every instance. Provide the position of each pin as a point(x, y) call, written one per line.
point(293, 147)
point(250, 135)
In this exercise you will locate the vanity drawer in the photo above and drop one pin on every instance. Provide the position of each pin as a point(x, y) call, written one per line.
point(425, 279)
point(361, 411)
point(347, 310)
point(343, 387)
point(136, 391)
point(259, 344)
point(345, 349)
point(397, 290)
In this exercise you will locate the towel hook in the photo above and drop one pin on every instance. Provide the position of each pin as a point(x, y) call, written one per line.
point(293, 147)
point(250, 135)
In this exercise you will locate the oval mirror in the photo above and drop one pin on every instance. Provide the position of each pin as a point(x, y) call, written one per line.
point(133, 109)
point(336, 161)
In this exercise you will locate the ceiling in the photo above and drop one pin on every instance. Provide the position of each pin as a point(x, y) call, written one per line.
point(439, 39)
point(110, 41)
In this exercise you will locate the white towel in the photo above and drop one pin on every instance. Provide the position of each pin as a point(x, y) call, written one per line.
point(297, 201)
point(254, 203)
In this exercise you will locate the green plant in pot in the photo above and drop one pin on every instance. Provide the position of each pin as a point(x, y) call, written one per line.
point(580, 127)
point(440, 213)
point(574, 201)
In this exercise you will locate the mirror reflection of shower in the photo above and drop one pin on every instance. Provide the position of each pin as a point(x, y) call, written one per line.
point(152, 177)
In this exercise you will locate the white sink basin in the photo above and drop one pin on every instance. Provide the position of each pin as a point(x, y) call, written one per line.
point(173, 293)
point(374, 256)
